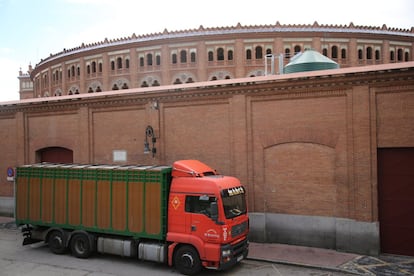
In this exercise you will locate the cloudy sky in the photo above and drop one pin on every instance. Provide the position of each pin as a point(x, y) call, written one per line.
point(32, 30)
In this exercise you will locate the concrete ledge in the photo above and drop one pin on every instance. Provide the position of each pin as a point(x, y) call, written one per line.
point(323, 232)
point(6, 206)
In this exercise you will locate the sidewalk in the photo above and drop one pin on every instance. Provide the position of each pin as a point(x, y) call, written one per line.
point(332, 260)
point(316, 257)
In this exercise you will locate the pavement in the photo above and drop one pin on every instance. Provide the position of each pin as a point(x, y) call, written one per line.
point(330, 260)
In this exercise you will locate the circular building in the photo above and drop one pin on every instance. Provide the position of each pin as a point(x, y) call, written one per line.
point(208, 54)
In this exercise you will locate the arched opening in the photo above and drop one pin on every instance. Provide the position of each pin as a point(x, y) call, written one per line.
point(54, 155)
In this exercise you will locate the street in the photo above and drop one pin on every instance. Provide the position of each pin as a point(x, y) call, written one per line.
point(36, 259)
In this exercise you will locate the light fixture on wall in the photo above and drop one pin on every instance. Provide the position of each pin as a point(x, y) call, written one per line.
point(149, 133)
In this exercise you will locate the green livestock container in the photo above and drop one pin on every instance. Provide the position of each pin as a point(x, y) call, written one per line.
point(122, 200)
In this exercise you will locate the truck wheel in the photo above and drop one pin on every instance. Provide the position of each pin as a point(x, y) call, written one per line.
point(187, 261)
point(56, 242)
point(80, 246)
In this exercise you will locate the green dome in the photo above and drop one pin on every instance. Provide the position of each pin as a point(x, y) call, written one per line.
point(310, 60)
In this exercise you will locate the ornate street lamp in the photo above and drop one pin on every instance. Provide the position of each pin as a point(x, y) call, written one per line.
point(149, 133)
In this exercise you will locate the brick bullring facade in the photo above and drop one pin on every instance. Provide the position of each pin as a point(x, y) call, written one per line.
point(206, 54)
point(306, 145)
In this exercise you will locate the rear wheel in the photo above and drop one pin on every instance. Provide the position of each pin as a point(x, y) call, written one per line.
point(81, 246)
point(56, 242)
point(187, 260)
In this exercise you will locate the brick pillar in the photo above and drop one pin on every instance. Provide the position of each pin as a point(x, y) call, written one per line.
point(133, 68)
point(239, 59)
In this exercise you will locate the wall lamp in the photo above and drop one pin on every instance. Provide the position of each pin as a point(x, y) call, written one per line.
point(149, 134)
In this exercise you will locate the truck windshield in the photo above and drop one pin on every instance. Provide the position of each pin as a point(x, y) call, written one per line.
point(234, 202)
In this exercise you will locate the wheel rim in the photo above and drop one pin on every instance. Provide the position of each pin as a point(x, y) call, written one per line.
point(57, 241)
point(80, 246)
point(187, 260)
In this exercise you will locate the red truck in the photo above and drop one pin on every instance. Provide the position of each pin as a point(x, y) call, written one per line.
point(185, 215)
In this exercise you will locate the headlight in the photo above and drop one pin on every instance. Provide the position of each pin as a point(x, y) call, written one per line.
point(226, 253)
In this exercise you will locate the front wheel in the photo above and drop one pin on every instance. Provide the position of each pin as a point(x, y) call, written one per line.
point(187, 260)
point(81, 246)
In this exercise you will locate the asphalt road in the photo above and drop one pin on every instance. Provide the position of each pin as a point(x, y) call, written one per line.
point(34, 260)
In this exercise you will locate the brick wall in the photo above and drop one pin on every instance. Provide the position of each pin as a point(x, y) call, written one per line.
point(301, 144)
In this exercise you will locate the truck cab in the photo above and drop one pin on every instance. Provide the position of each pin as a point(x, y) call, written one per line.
point(207, 218)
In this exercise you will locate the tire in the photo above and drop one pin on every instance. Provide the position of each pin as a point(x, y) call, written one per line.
point(80, 246)
point(187, 261)
point(56, 242)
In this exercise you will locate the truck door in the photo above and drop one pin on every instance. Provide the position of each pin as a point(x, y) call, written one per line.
point(199, 220)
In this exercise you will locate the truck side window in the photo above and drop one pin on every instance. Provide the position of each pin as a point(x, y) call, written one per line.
point(199, 204)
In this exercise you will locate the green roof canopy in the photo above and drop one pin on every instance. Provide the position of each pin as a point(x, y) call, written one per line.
point(310, 60)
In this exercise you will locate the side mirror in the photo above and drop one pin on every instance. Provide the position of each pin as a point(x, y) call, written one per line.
point(214, 211)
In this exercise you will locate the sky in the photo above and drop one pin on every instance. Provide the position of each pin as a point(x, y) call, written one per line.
point(32, 30)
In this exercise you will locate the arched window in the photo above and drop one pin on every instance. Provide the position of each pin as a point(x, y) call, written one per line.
point(297, 49)
point(334, 52)
point(287, 53)
point(141, 61)
point(73, 70)
point(115, 87)
point(230, 55)
point(119, 63)
point(57, 75)
point(155, 83)
point(392, 55)
point(360, 54)
point(144, 84)
point(343, 53)
point(210, 56)
point(174, 58)
point(407, 56)
point(183, 56)
point(88, 69)
point(325, 52)
point(127, 63)
point(112, 65)
point(93, 67)
point(68, 73)
point(268, 51)
point(377, 55)
point(400, 54)
point(193, 57)
point(177, 81)
point(259, 52)
point(189, 80)
point(220, 54)
point(248, 54)
point(369, 53)
point(149, 59)
point(158, 60)
point(100, 67)
point(78, 69)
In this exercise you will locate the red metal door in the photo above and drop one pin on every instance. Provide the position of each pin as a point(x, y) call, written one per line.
point(396, 200)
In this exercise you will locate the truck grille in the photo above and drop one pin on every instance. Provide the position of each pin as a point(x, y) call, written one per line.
point(238, 229)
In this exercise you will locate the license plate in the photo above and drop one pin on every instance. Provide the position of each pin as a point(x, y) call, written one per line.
point(239, 258)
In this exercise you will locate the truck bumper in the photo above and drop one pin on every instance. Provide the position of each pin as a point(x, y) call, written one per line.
point(232, 254)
